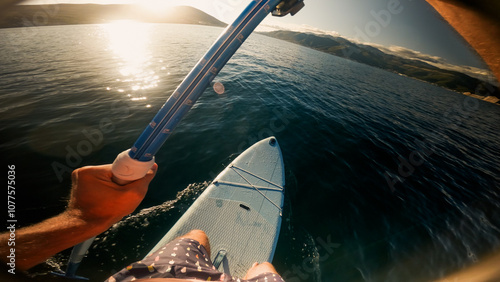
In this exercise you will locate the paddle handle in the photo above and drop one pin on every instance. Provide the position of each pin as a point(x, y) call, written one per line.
point(125, 169)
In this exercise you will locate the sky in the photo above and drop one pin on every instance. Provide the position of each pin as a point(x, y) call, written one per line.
point(412, 24)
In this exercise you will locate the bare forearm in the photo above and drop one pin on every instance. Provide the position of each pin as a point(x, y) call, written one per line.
point(96, 202)
point(37, 243)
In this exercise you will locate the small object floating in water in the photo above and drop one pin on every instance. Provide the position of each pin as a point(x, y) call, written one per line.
point(219, 88)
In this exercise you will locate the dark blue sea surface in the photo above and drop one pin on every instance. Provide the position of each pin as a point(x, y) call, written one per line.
point(388, 178)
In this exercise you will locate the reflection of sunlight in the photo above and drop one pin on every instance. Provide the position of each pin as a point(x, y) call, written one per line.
point(129, 41)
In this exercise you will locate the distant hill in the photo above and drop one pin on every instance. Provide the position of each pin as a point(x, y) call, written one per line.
point(64, 14)
point(372, 56)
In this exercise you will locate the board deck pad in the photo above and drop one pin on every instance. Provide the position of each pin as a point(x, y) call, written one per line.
point(240, 211)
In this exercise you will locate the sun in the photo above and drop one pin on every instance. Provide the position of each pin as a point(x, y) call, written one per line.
point(156, 6)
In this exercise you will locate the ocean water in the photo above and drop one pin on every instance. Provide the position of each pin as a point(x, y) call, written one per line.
point(388, 178)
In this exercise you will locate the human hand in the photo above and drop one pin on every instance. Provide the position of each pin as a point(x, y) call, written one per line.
point(96, 199)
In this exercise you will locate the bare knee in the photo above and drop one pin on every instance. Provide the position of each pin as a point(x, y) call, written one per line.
point(267, 266)
point(197, 233)
point(261, 268)
point(200, 236)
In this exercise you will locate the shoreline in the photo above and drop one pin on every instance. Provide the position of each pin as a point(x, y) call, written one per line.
point(490, 99)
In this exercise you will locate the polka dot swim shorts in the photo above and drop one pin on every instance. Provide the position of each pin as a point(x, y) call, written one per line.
point(182, 258)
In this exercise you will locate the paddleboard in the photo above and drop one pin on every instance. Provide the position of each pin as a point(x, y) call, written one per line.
point(240, 211)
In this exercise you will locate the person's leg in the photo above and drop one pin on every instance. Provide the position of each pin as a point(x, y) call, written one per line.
point(183, 257)
point(257, 269)
point(199, 236)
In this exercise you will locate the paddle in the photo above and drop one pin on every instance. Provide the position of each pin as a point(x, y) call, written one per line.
point(134, 163)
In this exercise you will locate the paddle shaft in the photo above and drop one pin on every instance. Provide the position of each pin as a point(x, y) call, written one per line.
point(191, 88)
point(180, 102)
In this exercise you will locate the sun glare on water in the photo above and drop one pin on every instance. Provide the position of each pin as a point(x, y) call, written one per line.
point(129, 41)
